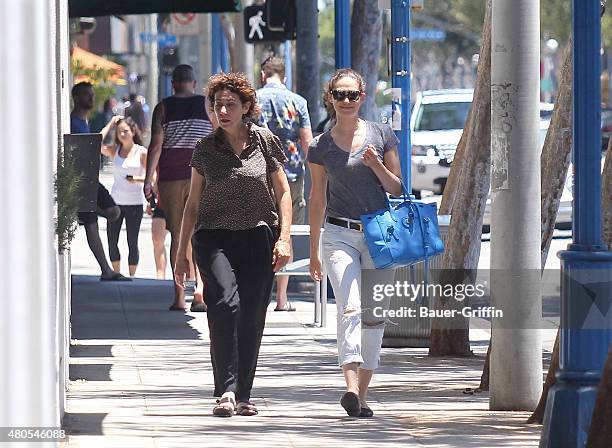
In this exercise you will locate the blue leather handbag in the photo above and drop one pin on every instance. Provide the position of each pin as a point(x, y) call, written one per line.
point(403, 234)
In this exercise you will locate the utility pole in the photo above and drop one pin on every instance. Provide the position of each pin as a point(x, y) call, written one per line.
point(516, 350)
point(307, 54)
point(152, 61)
point(29, 360)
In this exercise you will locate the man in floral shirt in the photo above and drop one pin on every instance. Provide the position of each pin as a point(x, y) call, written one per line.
point(286, 114)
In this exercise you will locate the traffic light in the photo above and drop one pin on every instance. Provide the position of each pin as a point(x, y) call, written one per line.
point(170, 59)
point(281, 16)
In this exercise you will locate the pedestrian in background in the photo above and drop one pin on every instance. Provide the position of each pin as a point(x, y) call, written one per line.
point(129, 159)
point(135, 111)
point(355, 164)
point(83, 99)
point(178, 123)
point(158, 234)
point(240, 206)
point(286, 114)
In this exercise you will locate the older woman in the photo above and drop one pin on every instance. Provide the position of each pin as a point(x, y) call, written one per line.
point(240, 206)
point(358, 162)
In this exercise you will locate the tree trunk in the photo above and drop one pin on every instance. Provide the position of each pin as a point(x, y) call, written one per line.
point(452, 183)
point(600, 433)
point(460, 259)
point(484, 378)
point(366, 38)
point(551, 379)
point(555, 157)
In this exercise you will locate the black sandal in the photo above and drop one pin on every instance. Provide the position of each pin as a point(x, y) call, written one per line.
point(350, 403)
point(366, 413)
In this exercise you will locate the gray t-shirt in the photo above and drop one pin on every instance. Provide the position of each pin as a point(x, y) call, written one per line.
point(353, 188)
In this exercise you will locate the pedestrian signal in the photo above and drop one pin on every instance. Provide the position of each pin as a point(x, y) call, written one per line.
point(257, 29)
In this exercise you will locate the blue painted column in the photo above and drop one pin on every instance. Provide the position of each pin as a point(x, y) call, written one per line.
point(225, 59)
point(400, 57)
point(216, 46)
point(586, 266)
point(342, 19)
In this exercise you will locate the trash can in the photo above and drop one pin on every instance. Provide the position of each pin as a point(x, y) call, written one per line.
point(414, 331)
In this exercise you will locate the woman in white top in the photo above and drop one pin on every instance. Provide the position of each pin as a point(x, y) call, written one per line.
point(130, 160)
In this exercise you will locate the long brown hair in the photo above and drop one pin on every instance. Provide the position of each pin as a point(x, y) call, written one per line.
point(136, 135)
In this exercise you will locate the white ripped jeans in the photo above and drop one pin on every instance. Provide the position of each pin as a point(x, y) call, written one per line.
point(345, 254)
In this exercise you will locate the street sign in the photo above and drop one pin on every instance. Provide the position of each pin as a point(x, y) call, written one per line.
point(430, 34)
point(185, 24)
point(256, 29)
point(163, 39)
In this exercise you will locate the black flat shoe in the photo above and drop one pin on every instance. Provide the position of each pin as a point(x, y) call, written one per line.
point(366, 413)
point(350, 403)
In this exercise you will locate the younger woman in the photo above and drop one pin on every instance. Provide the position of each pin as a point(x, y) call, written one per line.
point(130, 160)
point(357, 160)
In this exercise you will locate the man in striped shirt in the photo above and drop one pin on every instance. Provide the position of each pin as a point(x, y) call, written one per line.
point(178, 123)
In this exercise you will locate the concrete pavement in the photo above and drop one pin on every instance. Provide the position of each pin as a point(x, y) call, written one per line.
point(141, 377)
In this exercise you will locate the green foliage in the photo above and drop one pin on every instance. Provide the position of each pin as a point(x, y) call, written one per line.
point(67, 183)
point(102, 82)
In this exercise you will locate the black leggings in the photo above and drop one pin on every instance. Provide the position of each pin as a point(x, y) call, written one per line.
point(236, 266)
point(133, 217)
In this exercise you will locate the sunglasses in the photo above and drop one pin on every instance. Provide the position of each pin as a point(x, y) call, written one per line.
point(341, 95)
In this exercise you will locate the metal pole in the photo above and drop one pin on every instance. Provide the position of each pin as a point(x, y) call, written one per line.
point(215, 47)
point(307, 57)
point(152, 62)
point(28, 353)
point(288, 65)
point(343, 33)
point(400, 56)
point(587, 265)
point(224, 51)
point(516, 373)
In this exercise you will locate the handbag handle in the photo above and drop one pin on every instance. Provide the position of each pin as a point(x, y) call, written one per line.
point(405, 195)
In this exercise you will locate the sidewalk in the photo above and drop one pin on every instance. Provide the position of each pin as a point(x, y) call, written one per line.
point(141, 377)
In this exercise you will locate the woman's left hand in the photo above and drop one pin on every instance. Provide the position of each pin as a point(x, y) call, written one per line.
point(281, 254)
point(370, 157)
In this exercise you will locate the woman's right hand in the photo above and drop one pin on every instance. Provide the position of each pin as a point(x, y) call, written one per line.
point(315, 268)
point(181, 270)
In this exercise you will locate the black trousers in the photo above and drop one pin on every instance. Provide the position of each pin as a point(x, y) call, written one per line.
point(133, 217)
point(236, 266)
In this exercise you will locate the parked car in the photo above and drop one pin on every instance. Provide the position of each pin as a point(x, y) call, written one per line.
point(436, 124)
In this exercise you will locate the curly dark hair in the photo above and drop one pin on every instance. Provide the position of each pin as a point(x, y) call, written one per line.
point(236, 83)
point(133, 126)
